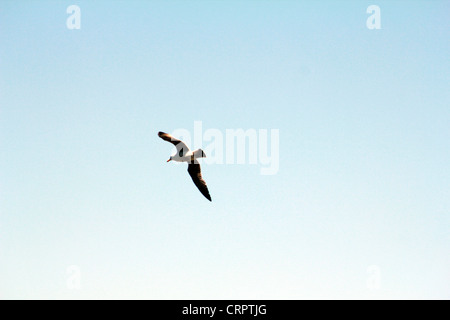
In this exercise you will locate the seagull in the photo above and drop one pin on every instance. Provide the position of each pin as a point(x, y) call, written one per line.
point(184, 154)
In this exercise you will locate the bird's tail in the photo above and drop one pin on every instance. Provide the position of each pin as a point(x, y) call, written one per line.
point(199, 153)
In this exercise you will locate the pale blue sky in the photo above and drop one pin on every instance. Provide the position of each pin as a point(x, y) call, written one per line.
point(364, 172)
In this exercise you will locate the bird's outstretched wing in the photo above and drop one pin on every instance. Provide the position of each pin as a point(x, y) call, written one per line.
point(182, 148)
point(196, 175)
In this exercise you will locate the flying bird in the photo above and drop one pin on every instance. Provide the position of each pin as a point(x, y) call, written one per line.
point(184, 154)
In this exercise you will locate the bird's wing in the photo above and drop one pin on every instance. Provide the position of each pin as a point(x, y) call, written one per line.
point(182, 148)
point(196, 175)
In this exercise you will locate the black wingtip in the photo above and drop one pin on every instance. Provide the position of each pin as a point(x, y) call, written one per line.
point(207, 195)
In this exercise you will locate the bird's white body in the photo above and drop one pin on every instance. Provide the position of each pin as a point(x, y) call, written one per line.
point(189, 156)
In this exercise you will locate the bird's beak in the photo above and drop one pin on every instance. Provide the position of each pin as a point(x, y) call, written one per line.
point(168, 160)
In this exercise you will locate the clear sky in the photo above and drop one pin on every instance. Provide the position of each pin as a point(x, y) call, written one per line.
point(360, 205)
